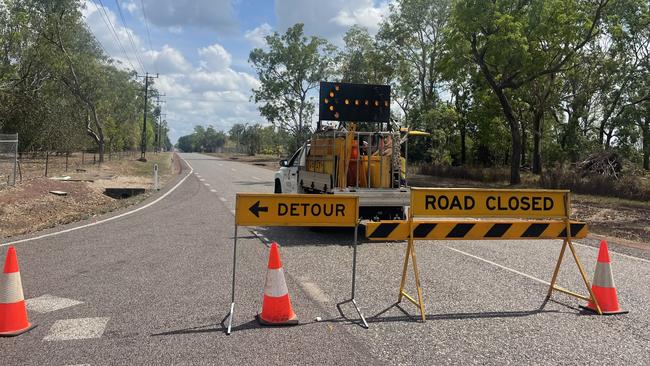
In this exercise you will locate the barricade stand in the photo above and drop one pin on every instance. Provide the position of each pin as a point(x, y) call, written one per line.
point(309, 210)
point(453, 214)
point(567, 242)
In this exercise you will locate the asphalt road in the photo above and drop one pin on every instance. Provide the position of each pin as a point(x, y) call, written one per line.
point(152, 287)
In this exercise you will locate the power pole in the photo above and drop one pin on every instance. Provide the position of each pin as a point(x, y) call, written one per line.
point(160, 129)
point(143, 146)
point(157, 139)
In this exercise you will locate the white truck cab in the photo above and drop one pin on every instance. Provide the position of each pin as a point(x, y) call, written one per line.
point(286, 178)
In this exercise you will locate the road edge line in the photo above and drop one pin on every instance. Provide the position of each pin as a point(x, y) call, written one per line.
point(123, 214)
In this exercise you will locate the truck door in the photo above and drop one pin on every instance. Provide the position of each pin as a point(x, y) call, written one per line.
point(291, 178)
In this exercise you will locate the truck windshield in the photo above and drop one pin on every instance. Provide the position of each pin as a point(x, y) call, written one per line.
point(293, 159)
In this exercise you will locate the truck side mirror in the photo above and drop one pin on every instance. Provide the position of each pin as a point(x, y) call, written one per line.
point(284, 163)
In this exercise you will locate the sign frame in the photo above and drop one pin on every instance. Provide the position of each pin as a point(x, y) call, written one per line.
point(275, 196)
point(414, 219)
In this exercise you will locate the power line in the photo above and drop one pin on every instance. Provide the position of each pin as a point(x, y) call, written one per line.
point(146, 25)
point(135, 50)
point(109, 25)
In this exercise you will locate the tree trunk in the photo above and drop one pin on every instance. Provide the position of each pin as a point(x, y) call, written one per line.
point(463, 148)
point(646, 144)
point(523, 144)
point(515, 135)
point(537, 142)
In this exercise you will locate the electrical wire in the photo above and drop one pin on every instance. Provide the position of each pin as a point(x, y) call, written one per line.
point(146, 25)
point(111, 28)
point(135, 50)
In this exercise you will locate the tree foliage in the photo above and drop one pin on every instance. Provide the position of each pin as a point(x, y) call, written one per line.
point(58, 89)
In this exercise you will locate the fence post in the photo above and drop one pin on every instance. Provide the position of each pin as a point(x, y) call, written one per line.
point(67, 154)
point(83, 156)
point(94, 158)
point(47, 161)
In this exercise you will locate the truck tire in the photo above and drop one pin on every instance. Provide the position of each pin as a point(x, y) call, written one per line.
point(278, 186)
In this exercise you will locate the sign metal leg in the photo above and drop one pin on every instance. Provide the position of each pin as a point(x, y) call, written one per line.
point(231, 314)
point(354, 281)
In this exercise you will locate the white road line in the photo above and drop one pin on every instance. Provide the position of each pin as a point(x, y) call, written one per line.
point(49, 303)
point(256, 178)
point(82, 328)
point(222, 199)
point(206, 184)
point(220, 164)
point(110, 218)
point(213, 190)
point(201, 180)
point(500, 266)
point(613, 252)
point(233, 169)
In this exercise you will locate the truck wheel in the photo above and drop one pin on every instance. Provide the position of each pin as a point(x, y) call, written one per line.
point(278, 186)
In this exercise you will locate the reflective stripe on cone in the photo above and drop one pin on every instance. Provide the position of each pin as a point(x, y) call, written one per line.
point(603, 285)
point(276, 306)
point(13, 313)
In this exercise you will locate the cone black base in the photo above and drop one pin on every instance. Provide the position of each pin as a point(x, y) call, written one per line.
point(285, 323)
point(18, 332)
point(604, 312)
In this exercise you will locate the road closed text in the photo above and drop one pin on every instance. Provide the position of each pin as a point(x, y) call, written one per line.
point(470, 203)
point(525, 203)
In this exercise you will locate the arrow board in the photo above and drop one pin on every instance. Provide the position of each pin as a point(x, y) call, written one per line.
point(253, 209)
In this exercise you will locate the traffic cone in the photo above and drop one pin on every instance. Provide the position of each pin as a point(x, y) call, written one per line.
point(276, 307)
point(603, 285)
point(13, 314)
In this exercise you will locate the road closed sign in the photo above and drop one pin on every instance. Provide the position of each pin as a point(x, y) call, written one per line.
point(260, 209)
point(465, 202)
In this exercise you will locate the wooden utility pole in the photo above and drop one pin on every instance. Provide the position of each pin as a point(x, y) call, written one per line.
point(143, 146)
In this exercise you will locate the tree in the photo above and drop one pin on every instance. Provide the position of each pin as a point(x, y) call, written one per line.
point(290, 69)
point(514, 43)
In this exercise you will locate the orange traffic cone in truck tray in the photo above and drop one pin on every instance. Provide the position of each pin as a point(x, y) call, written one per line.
point(13, 313)
point(276, 307)
point(603, 285)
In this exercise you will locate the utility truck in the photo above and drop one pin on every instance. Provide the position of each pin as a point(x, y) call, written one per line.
point(339, 158)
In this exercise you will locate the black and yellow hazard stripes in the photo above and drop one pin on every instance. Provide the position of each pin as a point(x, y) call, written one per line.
point(474, 230)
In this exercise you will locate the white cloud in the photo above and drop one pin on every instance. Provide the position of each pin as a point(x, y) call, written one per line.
point(215, 57)
point(256, 35)
point(217, 15)
point(203, 91)
point(167, 61)
point(330, 19)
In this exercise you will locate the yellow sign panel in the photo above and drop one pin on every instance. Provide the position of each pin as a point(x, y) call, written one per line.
point(464, 202)
point(268, 209)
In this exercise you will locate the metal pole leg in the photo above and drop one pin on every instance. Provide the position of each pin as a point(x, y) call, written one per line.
point(354, 277)
point(232, 298)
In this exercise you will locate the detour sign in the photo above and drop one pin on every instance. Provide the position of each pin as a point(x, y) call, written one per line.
point(458, 202)
point(269, 209)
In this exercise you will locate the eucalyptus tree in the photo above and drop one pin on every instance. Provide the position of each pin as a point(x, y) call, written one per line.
point(289, 70)
point(514, 43)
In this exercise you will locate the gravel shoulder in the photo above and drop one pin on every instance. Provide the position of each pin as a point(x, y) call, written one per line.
point(30, 206)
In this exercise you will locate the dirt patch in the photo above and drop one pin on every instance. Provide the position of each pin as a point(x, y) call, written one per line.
point(29, 206)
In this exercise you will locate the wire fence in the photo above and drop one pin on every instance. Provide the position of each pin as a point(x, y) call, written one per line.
point(56, 163)
point(8, 159)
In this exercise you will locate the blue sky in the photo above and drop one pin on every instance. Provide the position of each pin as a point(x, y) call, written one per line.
point(200, 47)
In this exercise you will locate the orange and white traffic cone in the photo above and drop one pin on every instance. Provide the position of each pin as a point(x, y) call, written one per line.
point(276, 307)
point(13, 314)
point(603, 285)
